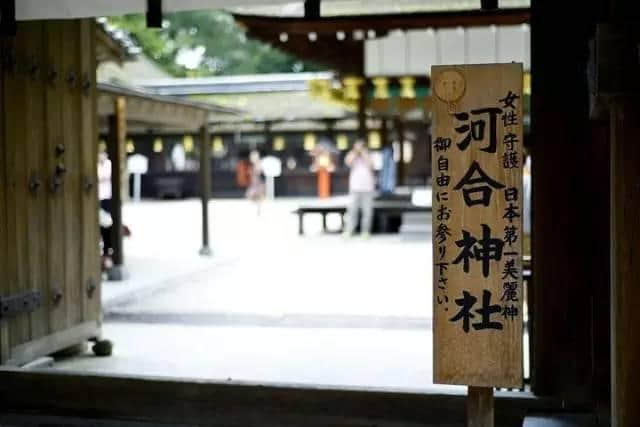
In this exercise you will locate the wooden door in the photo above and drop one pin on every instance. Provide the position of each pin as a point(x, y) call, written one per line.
point(48, 200)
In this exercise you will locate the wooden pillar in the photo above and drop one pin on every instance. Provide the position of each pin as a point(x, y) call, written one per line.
point(312, 9)
point(362, 111)
point(402, 168)
point(384, 132)
point(205, 186)
point(625, 223)
point(625, 270)
point(267, 135)
point(565, 208)
point(330, 126)
point(117, 155)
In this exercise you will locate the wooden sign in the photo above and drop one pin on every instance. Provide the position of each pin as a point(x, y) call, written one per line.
point(477, 224)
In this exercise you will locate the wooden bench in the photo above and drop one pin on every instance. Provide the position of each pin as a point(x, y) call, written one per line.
point(322, 210)
point(382, 211)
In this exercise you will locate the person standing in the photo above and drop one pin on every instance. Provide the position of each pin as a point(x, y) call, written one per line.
point(256, 188)
point(104, 196)
point(361, 189)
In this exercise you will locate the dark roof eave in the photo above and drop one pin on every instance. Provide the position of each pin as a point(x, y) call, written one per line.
point(448, 19)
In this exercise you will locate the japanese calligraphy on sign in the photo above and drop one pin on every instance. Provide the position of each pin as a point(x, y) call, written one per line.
point(477, 161)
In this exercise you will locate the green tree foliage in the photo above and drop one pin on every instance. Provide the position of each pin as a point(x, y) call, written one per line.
point(224, 46)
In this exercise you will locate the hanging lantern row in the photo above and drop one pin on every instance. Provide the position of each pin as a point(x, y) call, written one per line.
point(312, 36)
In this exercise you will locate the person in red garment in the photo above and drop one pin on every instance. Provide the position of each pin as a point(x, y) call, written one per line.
point(256, 188)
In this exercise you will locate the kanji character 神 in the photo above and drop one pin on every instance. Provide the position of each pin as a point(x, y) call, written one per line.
point(483, 250)
point(510, 311)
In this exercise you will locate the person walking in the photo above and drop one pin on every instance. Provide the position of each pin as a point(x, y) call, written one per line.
point(361, 189)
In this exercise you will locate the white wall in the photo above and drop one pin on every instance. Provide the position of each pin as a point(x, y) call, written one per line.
point(414, 52)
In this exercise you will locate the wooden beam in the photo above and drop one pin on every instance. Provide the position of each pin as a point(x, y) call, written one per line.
point(322, 50)
point(107, 49)
point(154, 112)
point(203, 402)
point(382, 23)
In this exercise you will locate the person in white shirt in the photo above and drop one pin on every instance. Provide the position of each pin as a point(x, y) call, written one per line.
point(104, 195)
point(361, 189)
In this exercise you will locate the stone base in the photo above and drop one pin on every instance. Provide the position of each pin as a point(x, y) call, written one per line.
point(205, 251)
point(117, 273)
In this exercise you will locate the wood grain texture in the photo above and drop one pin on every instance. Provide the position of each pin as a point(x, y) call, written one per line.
point(47, 230)
point(183, 401)
point(479, 356)
point(5, 343)
point(117, 155)
point(34, 117)
point(625, 273)
point(16, 164)
point(56, 231)
point(72, 177)
point(90, 259)
point(480, 407)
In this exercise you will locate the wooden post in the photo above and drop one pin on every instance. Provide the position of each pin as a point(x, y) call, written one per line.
point(205, 186)
point(625, 228)
point(480, 407)
point(565, 258)
point(330, 125)
point(312, 9)
point(267, 134)
point(625, 272)
point(384, 132)
point(362, 111)
point(399, 125)
point(116, 146)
